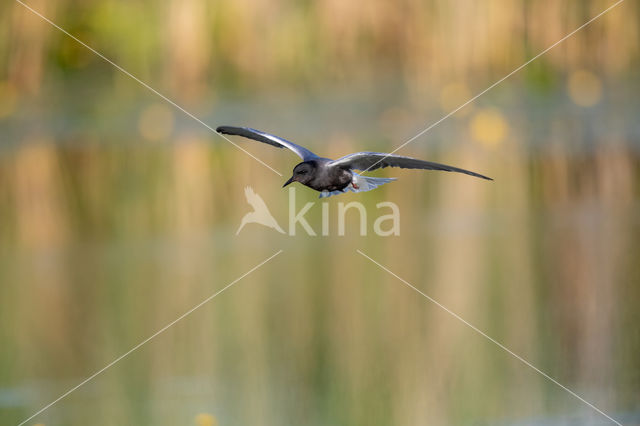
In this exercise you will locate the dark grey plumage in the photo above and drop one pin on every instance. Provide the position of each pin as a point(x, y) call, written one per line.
point(276, 141)
point(376, 160)
point(332, 177)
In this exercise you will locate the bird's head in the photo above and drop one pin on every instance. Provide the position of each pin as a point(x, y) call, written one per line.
point(302, 173)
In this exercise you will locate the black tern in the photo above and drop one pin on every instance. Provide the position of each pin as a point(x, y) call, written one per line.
point(333, 177)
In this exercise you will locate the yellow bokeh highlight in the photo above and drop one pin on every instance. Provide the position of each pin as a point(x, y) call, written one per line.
point(585, 88)
point(156, 122)
point(489, 127)
point(8, 98)
point(204, 419)
point(452, 96)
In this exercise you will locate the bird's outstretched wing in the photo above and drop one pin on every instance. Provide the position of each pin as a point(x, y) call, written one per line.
point(276, 141)
point(377, 160)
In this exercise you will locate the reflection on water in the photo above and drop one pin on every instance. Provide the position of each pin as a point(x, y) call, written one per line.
point(105, 240)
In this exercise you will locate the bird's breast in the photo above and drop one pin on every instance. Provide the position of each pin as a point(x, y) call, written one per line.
point(331, 179)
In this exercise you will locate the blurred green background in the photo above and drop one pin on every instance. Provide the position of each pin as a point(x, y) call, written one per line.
point(118, 213)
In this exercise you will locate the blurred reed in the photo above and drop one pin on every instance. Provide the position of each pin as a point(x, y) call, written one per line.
point(196, 49)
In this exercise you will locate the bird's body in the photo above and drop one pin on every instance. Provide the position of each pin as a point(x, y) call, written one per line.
point(326, 178)
point(332, 177)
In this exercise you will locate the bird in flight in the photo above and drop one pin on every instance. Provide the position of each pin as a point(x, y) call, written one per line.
point(333, 177)
point(260, 213)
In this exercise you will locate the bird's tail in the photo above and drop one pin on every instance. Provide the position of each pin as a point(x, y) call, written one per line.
point(366, 183)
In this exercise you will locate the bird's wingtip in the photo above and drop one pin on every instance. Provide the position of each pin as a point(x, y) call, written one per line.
point(482, 176)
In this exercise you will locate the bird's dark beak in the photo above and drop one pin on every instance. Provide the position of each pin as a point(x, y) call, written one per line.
point(288, 182)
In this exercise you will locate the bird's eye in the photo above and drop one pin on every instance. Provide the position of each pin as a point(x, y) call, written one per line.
point(302, 172)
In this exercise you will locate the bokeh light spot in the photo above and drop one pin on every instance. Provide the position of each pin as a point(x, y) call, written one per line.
point(585, 88)
point(204, 419)
point(452, 96)
point(156, 122)
point(489, 127)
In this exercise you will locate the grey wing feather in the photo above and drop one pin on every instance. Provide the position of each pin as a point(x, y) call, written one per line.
point(276, 141)
point(378, 160)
